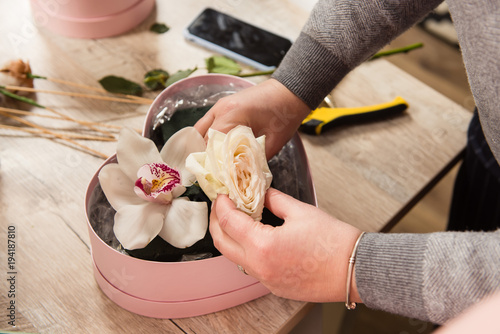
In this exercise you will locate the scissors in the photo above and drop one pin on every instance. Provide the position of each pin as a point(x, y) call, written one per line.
point(323, 118)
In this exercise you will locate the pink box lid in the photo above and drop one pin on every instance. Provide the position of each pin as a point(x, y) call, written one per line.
point(90, 18)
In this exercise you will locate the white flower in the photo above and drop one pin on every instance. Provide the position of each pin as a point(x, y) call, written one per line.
point(234, 164)
point(144, 189)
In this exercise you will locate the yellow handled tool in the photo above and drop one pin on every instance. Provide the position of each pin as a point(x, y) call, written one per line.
point(323, 118)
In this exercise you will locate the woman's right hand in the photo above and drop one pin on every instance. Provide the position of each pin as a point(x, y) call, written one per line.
point(304, 259)
point(268, 108)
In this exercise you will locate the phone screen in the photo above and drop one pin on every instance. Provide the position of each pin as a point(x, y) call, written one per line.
point(240, 37)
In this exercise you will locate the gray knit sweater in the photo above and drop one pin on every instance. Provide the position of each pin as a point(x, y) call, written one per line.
point(433, 276)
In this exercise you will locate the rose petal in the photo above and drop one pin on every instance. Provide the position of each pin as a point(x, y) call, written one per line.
point(133, 151)
point(267, 172)
point(117, 187)
point(215, 161)
point(186, 222)
point(234, 164)
point(136, 225)
point(175, 151)
point(262, 142)
point(196, 164)
point(249, 176)
point(247, 192)
point(259, 153)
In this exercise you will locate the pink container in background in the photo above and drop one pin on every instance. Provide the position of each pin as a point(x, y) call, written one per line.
point(90, 18)
point(179, 289)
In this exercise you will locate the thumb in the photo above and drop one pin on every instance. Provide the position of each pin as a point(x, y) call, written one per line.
point(281, 204)
point(204, 123)
point(231, 221)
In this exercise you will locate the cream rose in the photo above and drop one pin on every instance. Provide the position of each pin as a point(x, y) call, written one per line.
point(234, 164)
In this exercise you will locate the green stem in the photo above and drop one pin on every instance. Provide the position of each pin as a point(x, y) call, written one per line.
point(375, 56)
point(34, 76)
point(254, 74)
point(397, 50)
point(20, 98)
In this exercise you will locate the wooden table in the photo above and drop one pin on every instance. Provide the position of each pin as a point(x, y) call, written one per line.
point(368, 175)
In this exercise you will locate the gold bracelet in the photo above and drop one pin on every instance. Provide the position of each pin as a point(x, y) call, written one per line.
point(351, 305)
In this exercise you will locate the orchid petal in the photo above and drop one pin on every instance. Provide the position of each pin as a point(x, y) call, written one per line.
point(178, 191)
point(186, 223)
point(117, 187)
point(136, 225)
point(156, 182)
point(175, 151)
point(133, 151)
point(196, 164)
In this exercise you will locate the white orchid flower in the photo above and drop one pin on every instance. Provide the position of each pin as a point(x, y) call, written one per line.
point(144, 189)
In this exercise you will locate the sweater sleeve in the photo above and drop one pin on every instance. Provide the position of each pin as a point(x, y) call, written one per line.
point(338, 36)
point(431, 277)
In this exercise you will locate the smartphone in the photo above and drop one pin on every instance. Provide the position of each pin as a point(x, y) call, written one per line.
point(238, 40)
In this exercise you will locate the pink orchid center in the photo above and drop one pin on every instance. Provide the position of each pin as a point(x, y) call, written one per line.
point(156, 181)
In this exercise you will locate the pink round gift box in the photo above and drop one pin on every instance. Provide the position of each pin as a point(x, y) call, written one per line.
point(173, 289)
point(90, 18)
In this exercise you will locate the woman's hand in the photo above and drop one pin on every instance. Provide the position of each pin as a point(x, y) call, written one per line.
point(304, 259)
point(269, 108)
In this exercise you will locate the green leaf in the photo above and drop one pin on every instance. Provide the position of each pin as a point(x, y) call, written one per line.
point(221, 64)
point(119, 85)
point(196, 194)
point(160, 250)
point(156, 79)
point(179, 75)
point(180, 119)
point(159, 28)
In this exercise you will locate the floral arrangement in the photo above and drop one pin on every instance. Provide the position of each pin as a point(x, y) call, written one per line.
point(147, 187)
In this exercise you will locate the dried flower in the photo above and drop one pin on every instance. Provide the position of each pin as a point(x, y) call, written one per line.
point(16, 73)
